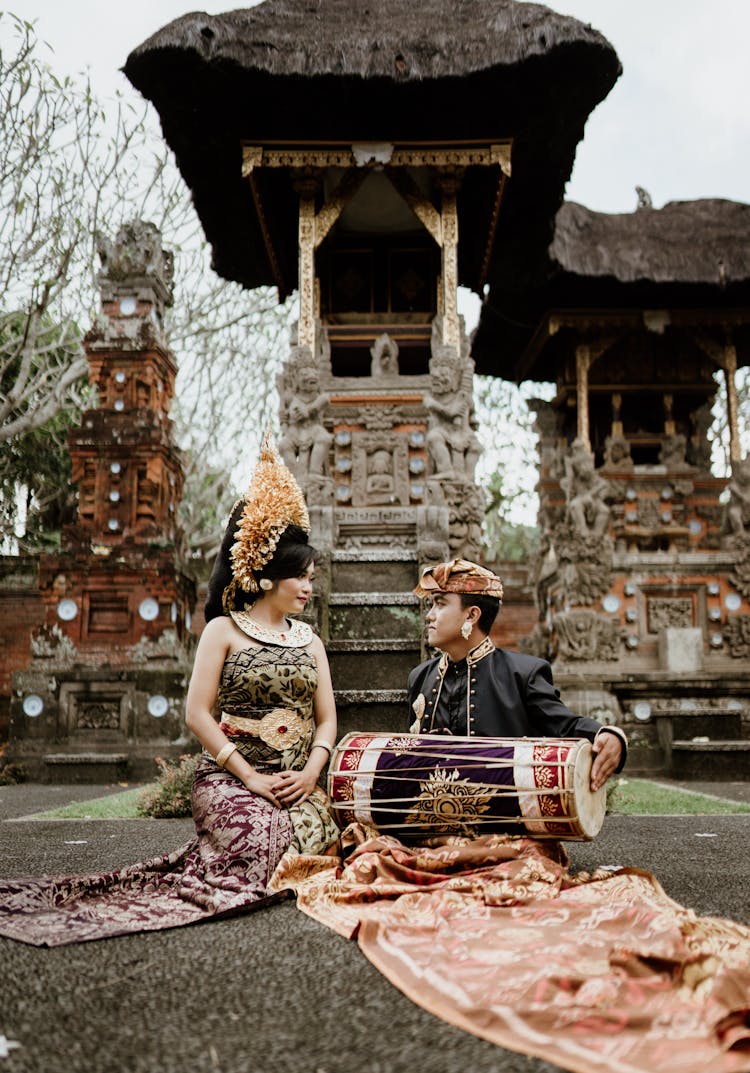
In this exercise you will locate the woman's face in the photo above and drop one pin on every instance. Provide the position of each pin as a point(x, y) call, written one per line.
point(292, 593)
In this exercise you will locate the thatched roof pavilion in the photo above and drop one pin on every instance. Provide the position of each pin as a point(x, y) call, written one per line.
point(299, 71)
point(689, 257)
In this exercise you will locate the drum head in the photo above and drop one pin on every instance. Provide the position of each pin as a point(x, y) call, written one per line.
point(591, 805)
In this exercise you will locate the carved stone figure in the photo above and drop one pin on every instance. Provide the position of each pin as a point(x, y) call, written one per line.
point(384, 353)
point(585, 491)
point(465, 504)
point(617, 453)
point(669, 611)
point(737, 636)
point(380, 485)
point(699, 446)
point(738, 508)
point(587, 636)
point(672, 452)
point(305, 442)
point(453, 446)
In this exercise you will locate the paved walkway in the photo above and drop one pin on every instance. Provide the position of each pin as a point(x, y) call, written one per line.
point(272, 991)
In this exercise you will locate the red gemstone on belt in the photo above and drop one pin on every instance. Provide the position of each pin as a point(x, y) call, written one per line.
point(281, 730)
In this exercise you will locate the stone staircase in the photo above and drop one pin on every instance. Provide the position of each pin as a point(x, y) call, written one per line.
point(375, 630)
point(704, 742)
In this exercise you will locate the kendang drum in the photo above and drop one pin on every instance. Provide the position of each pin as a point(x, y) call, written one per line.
point(417, 786)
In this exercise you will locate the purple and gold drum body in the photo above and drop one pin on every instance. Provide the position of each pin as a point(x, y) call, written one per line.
point(418, 786)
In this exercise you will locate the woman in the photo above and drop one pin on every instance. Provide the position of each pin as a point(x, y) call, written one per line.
point(255, 794)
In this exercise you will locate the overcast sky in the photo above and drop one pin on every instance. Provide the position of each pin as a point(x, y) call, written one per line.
point(677, 122)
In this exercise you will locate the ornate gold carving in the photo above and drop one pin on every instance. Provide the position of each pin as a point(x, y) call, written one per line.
point(497, 154)
point(306, 329)
point(252, 157)
point(451, 328)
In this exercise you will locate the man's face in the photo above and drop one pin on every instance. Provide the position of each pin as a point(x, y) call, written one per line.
point(445, 619)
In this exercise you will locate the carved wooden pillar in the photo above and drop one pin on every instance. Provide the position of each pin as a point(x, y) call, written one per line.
point(449, 274)
point(730, 368)
point(583, 362)
point(306, 330)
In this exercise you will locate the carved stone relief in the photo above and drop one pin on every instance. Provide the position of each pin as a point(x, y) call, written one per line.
point(587, 636)
point(737, 636)
point(380, 470)
point(740, 576)
point(669, 611)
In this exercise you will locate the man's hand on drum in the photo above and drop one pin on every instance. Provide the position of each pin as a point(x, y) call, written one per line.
point(607, 754)
point(293, 787)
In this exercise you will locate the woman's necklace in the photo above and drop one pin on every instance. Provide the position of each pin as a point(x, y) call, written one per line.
point(295, 635)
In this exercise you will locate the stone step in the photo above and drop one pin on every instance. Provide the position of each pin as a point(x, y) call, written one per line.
point(367, 615)
point(374, 571)
point(717, 759)
point(381, 711)
point(66, 768)
point(372, 664)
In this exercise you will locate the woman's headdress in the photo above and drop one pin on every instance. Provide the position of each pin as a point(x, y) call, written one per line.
point(273, 501)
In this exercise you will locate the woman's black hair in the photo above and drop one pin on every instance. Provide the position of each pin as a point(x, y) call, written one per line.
point(293, 556)
point(488, 608)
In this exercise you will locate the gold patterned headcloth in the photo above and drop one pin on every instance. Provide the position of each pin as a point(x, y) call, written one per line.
point(273, 501)
point(459, 575)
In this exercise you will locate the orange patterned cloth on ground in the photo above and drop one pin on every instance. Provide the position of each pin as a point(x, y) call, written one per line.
point(594, 972)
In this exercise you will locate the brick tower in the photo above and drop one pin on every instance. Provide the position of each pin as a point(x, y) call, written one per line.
point(104, 689)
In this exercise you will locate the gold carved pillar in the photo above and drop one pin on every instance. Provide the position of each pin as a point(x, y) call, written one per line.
point(729, 365)
point(583, 362)
point(449, 275)
point(306, 329)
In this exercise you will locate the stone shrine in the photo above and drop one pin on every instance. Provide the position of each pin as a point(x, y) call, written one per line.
point(376, 157)
point(643, 581)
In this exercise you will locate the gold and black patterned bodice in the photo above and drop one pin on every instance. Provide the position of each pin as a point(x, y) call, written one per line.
point(266, 703)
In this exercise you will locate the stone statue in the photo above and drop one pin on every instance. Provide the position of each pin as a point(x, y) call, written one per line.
point(672, 452)
point(453, 447)
point(617, 453)
point(585, 491)
point(305, 442)
point(384, 353)
point(738, 508)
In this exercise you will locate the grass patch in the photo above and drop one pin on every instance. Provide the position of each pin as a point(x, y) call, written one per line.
point(122, 806)
point(631, 797)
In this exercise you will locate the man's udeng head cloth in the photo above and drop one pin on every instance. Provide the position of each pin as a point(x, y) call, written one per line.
point(459, 575)
point(272, 502)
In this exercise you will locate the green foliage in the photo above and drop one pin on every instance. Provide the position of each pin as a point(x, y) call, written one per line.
point(170, 796)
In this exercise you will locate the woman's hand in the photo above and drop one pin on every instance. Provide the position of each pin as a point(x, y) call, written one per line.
point(263, 785)
point(293, 787)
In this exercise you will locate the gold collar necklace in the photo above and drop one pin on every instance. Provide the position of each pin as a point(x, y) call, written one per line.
point(296, 635)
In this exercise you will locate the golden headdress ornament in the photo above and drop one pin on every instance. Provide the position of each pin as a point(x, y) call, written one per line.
point(273, 501)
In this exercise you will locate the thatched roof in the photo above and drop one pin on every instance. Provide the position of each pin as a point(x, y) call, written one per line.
point(373, 70)
point(684, 242)
point(370, 38)
point(688, 255)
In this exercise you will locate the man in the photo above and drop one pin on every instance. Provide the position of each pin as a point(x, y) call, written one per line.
point(475, 688)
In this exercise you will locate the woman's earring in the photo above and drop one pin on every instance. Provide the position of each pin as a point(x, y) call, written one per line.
point(265, 584)
point(466, 629)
